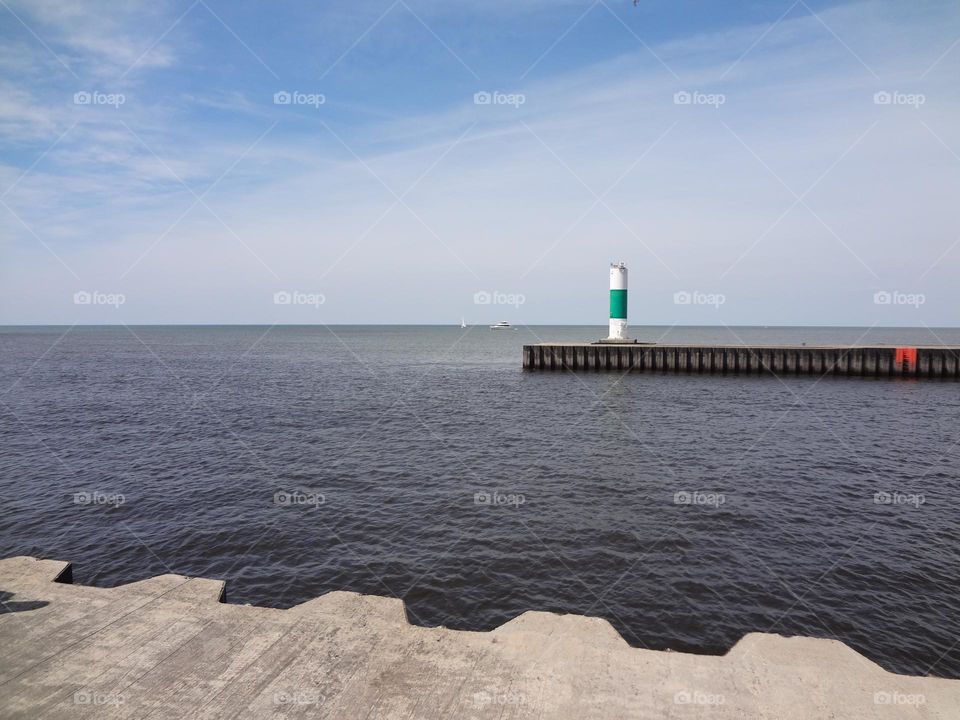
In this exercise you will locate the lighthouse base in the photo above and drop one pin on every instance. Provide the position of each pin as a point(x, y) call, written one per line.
point(619, 341)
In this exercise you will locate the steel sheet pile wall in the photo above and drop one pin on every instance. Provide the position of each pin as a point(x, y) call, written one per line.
point(941, 362)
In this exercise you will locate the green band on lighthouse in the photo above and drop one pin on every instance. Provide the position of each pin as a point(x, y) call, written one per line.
point(618, 304)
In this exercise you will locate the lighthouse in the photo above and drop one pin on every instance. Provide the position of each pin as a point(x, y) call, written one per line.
point(618, 303)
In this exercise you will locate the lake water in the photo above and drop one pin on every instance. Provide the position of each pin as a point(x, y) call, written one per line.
point(422, 463)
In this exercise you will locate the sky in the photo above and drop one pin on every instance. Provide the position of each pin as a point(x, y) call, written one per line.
point(416, 161)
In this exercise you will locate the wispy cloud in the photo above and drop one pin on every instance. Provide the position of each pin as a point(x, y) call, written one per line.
point(707, 189)
point(97, 40)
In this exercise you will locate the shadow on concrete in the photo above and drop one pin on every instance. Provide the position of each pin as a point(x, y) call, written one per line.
point(7, 605)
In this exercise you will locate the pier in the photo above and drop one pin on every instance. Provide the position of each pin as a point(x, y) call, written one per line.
point(839, 360)
point(169, 646)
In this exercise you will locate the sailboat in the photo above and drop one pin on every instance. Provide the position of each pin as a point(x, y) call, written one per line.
point(463, 324)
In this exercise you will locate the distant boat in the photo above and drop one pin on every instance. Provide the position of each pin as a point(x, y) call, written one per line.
point(502, 325)
point(463, 323)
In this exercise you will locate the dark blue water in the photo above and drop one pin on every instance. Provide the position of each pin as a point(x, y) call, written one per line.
point(296, 460)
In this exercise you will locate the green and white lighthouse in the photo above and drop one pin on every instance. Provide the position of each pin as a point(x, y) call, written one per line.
point(618, 302)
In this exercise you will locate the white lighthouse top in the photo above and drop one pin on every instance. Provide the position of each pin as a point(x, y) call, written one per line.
point(619, 265)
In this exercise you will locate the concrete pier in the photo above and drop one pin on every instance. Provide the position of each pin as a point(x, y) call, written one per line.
point(841, 360)
point(169, 647)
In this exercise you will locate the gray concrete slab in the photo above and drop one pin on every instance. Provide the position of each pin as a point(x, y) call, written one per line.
point(167, 647)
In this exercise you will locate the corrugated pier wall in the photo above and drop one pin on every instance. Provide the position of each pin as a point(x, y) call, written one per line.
point(932, 362)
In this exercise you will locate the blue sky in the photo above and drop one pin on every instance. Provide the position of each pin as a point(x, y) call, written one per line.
point(798, 160)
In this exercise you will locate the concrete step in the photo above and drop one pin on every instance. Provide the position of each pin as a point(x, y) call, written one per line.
point(168, 647)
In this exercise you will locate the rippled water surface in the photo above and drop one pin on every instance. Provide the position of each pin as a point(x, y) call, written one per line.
point(384, 437)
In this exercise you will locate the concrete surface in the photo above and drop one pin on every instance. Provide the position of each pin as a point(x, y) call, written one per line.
point(168, 648)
